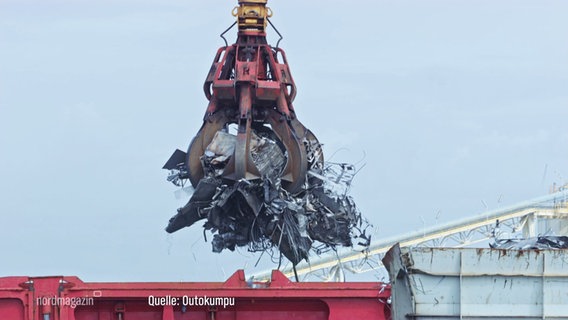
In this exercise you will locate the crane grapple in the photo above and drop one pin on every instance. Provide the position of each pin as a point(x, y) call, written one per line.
point(264, 183)
point(250, 85)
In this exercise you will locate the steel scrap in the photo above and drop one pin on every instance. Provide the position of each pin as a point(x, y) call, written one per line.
point(536, 243)
point(260, 214)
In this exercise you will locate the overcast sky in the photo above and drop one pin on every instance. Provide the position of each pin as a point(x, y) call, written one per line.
point(454, 107)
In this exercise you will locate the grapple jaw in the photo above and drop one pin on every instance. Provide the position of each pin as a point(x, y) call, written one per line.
point(290, 134)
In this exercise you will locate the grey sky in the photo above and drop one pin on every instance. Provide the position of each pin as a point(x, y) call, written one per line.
point(450, 104)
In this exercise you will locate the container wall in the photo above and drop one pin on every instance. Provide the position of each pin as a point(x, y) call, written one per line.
point(444, 283)
point(11, 309)
point(68, 298)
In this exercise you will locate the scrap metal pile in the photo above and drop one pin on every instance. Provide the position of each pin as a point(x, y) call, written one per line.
point(259, 175)
point(260, 214)
point(537, 243)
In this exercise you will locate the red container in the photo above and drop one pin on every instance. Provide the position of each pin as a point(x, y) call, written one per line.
point(69, 298)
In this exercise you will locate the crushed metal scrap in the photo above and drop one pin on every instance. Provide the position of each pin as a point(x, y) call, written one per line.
point(259, 213)
point(537, 243)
